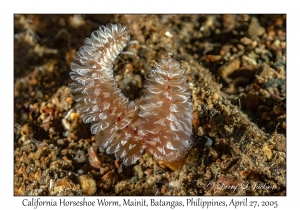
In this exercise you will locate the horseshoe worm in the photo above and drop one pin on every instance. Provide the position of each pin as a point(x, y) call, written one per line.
point(160, 125)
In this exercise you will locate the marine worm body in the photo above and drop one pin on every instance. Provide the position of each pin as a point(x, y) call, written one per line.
point(161, 124)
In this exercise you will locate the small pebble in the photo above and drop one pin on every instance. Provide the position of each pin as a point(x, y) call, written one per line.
point(87, 184)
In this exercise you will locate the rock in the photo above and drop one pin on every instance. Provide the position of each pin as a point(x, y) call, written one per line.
point(227, 69)
point(255, 29)
point(87, 184)
point(108, 181)
point(246, 41)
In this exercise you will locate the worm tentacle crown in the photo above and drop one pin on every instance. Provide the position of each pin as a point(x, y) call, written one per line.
point(161, 125)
